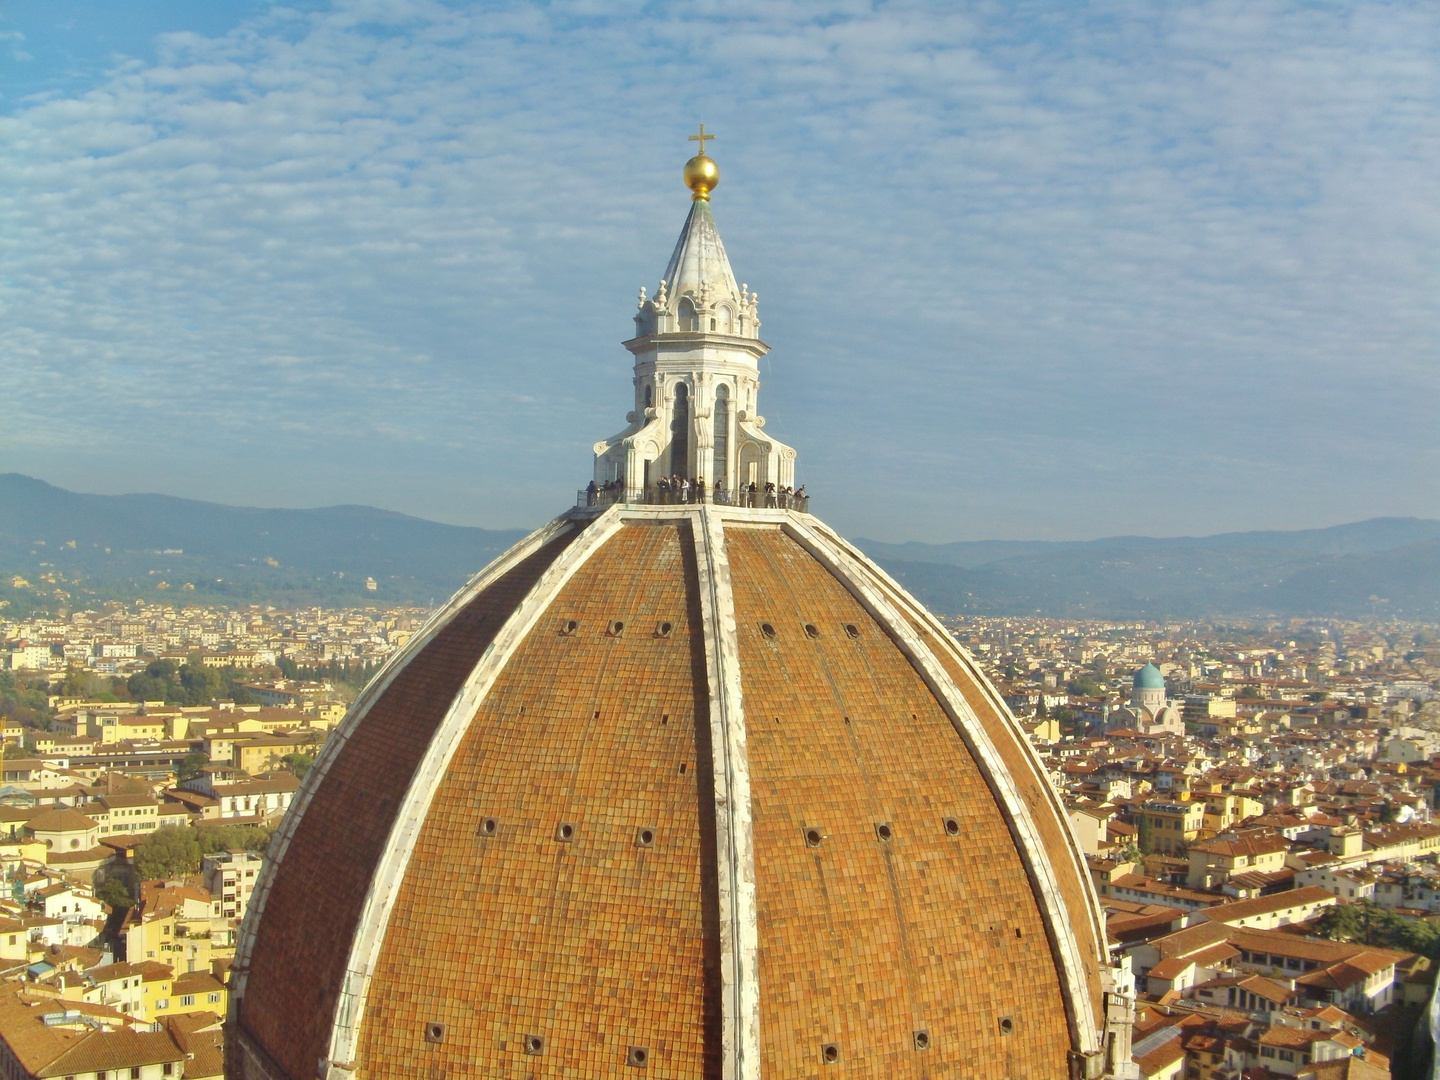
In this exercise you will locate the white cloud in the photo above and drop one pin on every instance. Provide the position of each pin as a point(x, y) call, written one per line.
point(1019, 265)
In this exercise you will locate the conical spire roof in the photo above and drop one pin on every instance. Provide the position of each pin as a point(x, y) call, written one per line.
point(699, 256)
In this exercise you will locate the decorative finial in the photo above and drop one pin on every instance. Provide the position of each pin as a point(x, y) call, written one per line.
point(701, 172)
point(702, 138)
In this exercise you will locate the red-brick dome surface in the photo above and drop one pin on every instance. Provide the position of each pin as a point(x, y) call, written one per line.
point(693, 790)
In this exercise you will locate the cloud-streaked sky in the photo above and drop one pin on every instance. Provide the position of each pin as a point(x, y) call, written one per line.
point(1028, 269)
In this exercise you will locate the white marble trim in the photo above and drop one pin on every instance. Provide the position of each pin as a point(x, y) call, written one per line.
point(389, 874)
point(734, 830)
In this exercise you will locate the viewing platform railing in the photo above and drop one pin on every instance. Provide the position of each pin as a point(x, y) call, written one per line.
point(773, 500)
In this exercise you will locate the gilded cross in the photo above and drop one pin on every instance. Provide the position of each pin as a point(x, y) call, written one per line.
point(701, 139)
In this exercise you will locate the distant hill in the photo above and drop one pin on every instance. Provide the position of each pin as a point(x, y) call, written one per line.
point(1359, 538)
point(126, 545)
point(1384, 566)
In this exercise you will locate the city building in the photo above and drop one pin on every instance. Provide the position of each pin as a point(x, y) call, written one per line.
point(1149, 711)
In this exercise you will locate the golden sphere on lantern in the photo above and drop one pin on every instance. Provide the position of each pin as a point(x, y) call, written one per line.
point(701, 175)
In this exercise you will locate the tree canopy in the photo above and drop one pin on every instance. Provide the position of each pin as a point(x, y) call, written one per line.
point(215, 838)
point(191, 683)
point(113, 893)
point(1364, 922)
point(172, 851)
point(24, 699)
point(299, 764)
point(190, 766)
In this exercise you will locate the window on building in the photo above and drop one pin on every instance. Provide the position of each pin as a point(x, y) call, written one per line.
point(688, 320)
point(722, 434)
point(680, 432)
point(187, 1000)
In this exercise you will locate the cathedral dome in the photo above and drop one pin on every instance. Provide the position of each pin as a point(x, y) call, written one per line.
point(1149, 678)
point(685, 787)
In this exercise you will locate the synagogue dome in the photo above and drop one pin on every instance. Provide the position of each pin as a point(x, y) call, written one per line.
point(1149, 678)
point(682, 785)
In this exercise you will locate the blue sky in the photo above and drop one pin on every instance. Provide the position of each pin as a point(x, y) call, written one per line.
point(1028, 270)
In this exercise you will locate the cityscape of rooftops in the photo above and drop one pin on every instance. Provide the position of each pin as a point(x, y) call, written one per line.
point(981, 617)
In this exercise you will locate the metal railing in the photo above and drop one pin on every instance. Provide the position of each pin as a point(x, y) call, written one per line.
point(772, 500)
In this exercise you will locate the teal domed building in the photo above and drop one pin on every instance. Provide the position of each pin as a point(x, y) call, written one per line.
point(1149, 711)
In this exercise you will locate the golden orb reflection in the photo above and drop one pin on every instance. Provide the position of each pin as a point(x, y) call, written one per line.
point(701, 176)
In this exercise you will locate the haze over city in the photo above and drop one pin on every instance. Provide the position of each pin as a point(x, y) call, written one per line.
point(1045, 272)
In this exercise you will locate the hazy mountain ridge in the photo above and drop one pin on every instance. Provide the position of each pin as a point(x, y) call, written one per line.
point(1385, 566)
point(1360, 537)
point(302, 556)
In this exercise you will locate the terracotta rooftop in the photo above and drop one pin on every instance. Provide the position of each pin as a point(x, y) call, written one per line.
point(65, 820)
point(54, 1050)
point(1268, 905)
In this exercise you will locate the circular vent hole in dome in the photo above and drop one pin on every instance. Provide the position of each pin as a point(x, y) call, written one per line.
point(488, 827)
point(852, 630)
point(884, 832)
point(638, 1056)
point(616, 628)
point(665, 629)
point(535, 1044)
point(645, 837)
point(922, 1039)
point(811, 630)
point(566, 832)
point(814, 837)
point(434, 1033)
point(1007, 1025)
point(830, 1053)
point(568, 627)
point(767, 629)
point(952, 827)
